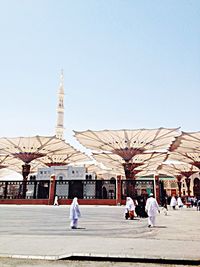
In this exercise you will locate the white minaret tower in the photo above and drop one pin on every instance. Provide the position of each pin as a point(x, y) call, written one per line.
point(60, 109)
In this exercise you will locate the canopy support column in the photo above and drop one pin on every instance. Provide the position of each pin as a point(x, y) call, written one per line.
point(157, 188)
point(52, 189)
point(119, 190)
point(187, 180)
point(25, 172)
point(179, 183)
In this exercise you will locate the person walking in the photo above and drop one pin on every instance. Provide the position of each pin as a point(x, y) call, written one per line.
point(129, 208)
point(180, 203)
point(152, 209)
point(173, 202)
point(75, 213)
point(56, 201)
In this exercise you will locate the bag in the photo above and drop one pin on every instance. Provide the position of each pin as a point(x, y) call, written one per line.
point(131, 214)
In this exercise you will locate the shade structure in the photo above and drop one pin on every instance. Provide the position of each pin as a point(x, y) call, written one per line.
point(178, 168)
point(156, 170)
point(191, 158)
point(128, 143)
point(135, 165)
point(183, 170)
point(68, 155)
point(34, 165)
point(7, 161)
point(187, 142)
point(28, 149)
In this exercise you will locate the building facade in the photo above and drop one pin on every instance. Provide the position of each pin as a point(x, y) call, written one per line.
point(66, 172)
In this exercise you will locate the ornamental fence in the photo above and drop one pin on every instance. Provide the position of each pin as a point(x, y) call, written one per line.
point(33, 189)
point(82, 189)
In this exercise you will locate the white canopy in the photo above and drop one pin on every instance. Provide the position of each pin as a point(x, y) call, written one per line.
point(30, 148)
point(128, 143)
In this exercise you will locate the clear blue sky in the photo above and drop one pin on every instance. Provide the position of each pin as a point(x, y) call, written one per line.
point(127, 64)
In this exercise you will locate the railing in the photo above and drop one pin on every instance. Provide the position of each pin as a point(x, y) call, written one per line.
point(97, 192)
point(86, 189)
point(33, 189)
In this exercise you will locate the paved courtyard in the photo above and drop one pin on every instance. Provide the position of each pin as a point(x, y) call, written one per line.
point(42, 232)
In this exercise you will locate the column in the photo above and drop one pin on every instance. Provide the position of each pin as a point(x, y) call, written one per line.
point(25, 172)
point(119, 190)
point(157, 188)
point(187, 180)
point(179, 177)
point(52, 189)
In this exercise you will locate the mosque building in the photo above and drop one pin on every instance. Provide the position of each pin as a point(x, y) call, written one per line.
point(70, 172)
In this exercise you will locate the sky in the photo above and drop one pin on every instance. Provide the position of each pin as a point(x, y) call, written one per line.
point(128, 64)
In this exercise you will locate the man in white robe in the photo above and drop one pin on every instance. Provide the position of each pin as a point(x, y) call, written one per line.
point(152, 209)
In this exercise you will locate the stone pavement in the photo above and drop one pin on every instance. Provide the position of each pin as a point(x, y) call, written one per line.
point(42, 232)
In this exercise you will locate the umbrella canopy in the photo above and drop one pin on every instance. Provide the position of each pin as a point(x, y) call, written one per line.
point(7, 161)
point(191, 158)
point(113, 159)
point(68, 155)
point(187, 142)
point(184, 169)
point(162, 169)
point(128, 143)
point(34, 165)
point(30, 148)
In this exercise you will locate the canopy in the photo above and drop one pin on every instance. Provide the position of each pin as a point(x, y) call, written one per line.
point(68, 155)
point(29, 148)
point(111, 160)
point(7, 161)
point(191, 158)
point(128, 143)
point(187, 142)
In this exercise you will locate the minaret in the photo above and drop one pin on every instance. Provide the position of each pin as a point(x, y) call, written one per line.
point(60, 109)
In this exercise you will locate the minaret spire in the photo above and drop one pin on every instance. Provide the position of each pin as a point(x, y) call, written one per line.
point(60, 109)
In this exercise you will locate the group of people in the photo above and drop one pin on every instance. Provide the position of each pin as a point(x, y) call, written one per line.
point(195, 202)
point(132, 209)
point(151, 209)
point(176, 202)
point(191, 201)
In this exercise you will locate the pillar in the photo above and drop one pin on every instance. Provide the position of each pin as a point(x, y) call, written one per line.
point(187, 180)
point(25, 172)
point(157, 188)
point(52, 189)
point(130, 172)
point(179, 177)
point(119, 190)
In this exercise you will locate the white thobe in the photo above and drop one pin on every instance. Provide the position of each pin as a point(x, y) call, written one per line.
point(180, 203)
point(173, 202)
point(74, 213)
point(152, 209)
